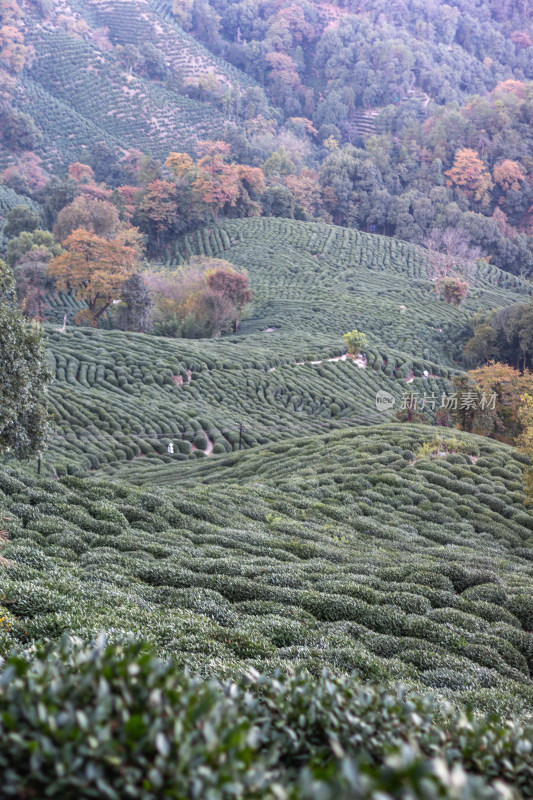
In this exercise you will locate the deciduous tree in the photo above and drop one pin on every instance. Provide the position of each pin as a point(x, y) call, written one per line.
point(97, 216)
point(95, 269)
point(469, 174)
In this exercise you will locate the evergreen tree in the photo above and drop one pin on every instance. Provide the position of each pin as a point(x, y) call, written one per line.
point(23, 374)
point(135, 313)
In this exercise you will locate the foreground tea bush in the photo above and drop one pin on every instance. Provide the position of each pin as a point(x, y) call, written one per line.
point(81, 722)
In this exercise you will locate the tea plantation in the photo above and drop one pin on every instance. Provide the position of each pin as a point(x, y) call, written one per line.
point(341, 610)
point(119, 399)
point(79, 92)
point(349, 552)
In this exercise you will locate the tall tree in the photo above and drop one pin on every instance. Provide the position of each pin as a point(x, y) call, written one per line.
point(24, 428)
point(135, 313)
point(21, 218)
point(233, 287)
point(95, 269)
point(97, 216)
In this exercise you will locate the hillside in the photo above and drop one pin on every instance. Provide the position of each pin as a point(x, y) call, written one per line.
point(266, 400)
point(80, 94)
point(123, 397)
point(346, 551)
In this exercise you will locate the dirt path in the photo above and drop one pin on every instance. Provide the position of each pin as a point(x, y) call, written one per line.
point(361, 362)
point(178, 379)
point(208, 450)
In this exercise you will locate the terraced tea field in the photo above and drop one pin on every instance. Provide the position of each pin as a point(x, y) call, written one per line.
point(380, 554)
point(344, 550)
point(323, 278)
point(78, 92)
point(120, 398)
point(95, 99)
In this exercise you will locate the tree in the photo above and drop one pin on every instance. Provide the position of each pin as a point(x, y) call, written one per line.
point(19, 131)
point(482, 346)
point(97, 216)
point(24, 427)
point(95, 269)
point(355, 341)
point(56, 195)
point(506, 386)
point(453, 290)
point(215, 310)
point(81, 173)
point(279, 163)
point(233, 287)
point(33, 283)
point(509, 175)
point(135, 312)
point(21, 218)
point(221, 185)
point(472, 413)
point(160, 206)
point(27, 241)
point(179, 164)
point(468, 174)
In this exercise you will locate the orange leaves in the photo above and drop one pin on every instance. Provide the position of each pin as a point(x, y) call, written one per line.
point(509, 385)
point(81, 173)
point(160, 204)
point(511, 86)
point(219, 183)
point(469, 174)
point(95, 269)
point(509, 175)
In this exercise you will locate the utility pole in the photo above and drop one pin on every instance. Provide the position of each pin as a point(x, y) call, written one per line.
point(241, 431)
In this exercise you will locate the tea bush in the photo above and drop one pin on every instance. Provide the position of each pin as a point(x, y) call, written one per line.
point(80, 722)
point(297, 556)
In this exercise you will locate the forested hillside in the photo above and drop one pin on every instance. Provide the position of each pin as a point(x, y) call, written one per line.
point(411, 120)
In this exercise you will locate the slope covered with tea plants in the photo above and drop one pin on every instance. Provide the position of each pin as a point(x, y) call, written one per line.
point(352, 550)
point(80, 94)
point(123, 397)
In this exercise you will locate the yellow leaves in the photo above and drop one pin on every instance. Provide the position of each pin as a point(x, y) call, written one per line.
point(469, 174)
point(179, 164)
point(331, 144)
point(509, 175)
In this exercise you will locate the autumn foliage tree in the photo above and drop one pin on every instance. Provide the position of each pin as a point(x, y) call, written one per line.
point(222, 185)
point(160, 207)
point(233, 288)
point(453, 290)
point(95, 269)
point(506, 386)
point(96, 216)
point(468, 174)
point(179, 164)
point(509, 175)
